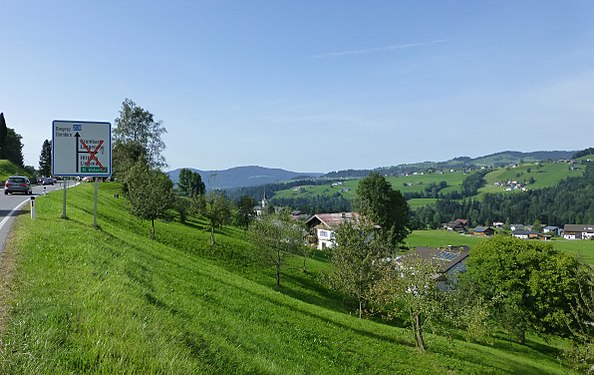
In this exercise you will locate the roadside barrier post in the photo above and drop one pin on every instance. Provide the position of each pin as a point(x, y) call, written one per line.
point(32, 208)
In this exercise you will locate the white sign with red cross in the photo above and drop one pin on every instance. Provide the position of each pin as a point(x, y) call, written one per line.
point(81, 148)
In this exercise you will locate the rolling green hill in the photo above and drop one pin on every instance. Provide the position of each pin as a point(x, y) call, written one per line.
point(532, 175)
point(7, 168)
point(76, 299)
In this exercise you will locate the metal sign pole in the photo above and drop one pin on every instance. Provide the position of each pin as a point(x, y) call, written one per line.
point(96, 198)
point(64, 201)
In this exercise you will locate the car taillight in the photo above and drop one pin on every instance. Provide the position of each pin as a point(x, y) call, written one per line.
point(7, 183)
point(24, 184)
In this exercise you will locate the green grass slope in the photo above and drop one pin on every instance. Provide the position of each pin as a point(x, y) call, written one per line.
point(8, 168)
point(544, 174)
point(80, 300)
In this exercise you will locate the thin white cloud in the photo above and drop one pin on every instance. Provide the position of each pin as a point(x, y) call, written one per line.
point(377, 49)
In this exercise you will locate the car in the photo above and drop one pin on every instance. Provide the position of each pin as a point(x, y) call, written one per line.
point(17, 184)
point(47, 181)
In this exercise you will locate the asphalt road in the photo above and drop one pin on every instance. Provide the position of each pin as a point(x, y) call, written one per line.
point(12, 205)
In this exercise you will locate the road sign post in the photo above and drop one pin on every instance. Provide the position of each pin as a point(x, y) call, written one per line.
point(81, 149)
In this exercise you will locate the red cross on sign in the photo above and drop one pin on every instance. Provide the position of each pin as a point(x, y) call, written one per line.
point(93, 153)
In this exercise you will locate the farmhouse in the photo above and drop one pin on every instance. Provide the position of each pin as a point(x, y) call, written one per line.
point(530, 235)
point(458, 225)
point(324, 225)
point(483, 232)
point(450, 261)
point(578, 231)
point(552, 229)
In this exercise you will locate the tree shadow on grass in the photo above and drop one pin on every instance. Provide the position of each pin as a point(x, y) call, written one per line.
point(325, 298)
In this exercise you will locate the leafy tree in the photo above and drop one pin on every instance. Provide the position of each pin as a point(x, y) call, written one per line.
point(183, 206)
point(124, 156)
point(14, 148)
point(472, 183)
point(581, 351)
point(408, 288)
point(150, 192)
point(384, 206)
point(245, 211)
point(45, 159)
point(137, 132)
point(355, 261)
point(217, 209)
point(190, 183)
point(530, 285)
point(276, 235)
point(537, 226)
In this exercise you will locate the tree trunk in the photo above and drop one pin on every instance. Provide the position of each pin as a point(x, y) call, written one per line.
point(360, 308)
point(418, 327)
point(522, 337)
point(152, 229)
point(212, 240)
point(278, 260)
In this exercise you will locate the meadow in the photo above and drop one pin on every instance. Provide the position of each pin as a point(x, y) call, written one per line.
point(544, 174)
point(79, 299)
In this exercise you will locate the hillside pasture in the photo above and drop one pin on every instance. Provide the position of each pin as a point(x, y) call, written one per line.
point(545, 174)
point(77, 299)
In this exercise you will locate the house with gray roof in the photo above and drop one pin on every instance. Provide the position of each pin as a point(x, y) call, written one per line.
point(578, 231)
point(449, 260)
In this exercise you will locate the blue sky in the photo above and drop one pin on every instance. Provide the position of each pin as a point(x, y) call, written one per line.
point(307, 85)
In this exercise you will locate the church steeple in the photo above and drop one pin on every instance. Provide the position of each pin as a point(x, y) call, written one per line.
point(264, 201)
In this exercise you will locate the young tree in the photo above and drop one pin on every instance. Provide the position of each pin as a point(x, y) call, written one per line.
point(217, 209)
point(124, 156)
point(530, 285)
point(45, 159)
point(245, 211)
point(384, 206)
point(190, 183)
point(356, 261)
point(276, 235)
point(137, 129)
point(408, 288)
point(581, 351)
point(150, 193)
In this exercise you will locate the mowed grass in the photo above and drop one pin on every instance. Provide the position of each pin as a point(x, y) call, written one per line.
point(82, 300)
point(440, 238)
point(8, 168)
point(545, 175)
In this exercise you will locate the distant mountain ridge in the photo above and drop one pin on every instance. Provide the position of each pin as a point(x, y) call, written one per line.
point(243, 176)
point(249, 176)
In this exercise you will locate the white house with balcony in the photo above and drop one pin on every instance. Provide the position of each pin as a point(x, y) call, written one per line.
point(578, 231)
point(324, 225)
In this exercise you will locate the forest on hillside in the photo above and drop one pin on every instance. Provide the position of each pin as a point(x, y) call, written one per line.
point(571, 201)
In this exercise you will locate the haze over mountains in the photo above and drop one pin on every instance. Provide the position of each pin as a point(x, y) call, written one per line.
point(243, 176)
point(246, 176)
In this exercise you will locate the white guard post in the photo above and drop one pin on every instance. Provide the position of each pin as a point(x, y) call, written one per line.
point(32, 208)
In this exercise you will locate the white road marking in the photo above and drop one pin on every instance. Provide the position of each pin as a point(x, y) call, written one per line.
point(18, 207)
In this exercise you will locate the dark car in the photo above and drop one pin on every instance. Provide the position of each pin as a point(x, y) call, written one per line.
point(47, 181)
point(17, 184)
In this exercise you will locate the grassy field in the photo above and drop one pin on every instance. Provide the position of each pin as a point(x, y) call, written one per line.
point(544, 175)
point(76, 299)
point(439, 238)
point(7, 168)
